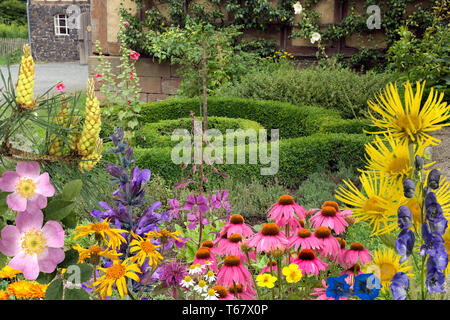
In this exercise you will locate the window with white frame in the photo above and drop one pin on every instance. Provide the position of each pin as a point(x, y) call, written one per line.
point(61, 27)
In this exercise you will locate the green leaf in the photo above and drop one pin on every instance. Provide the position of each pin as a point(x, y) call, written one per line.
point(85, 272)
point(54, 290)
point(76, 294)
point(70, 258)
point(3, 260)
point(58, 210)
point(70, 221)
point(72, 190)
point(46, 278)
point(388, 240)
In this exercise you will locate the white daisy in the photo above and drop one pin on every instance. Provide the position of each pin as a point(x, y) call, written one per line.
point(211, 295)
point(195, 269)
point(201, 287)
point(315, 37)
point(187, 282)
point(210, 276)
point(298, 8)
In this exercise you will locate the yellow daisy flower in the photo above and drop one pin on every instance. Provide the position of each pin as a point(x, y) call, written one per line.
point(116, 275)
point(145, 249)
point(385, 264)
point(101, 231)
point(8, 272)
point(389, 157)
point(266, 280)
point(4, 295)
point(293, 273)
point(377, 202)
point(164, 235)
point(94, 253)
point(411, 121)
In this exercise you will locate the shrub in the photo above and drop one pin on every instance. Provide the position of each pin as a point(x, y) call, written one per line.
point(332, 88)
point(292, 121)
point(13, 31)
point(157, 134)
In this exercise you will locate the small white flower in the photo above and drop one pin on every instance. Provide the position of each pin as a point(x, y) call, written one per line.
point(315, 37)
point(195, 269)
point(210, 276)
point(187, 282)
point(201, 287)
point(298, 8)
point(207, 263)
point(211, 295)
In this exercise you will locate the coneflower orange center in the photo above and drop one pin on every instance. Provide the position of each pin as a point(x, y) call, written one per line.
point(322, 232)
point(235, 238)
point(270, 229)
point(357, 246)
point(306, 254)
point(116, 272)
point(273, 262)
point(236, 288)
point(221, 290)
point(303, 233)
point(342, 242)
point(329, 211)
point(203, 253)
point(208, 244)
point(286, 200)
point(331, 204)
point(236, 219)
point(355, 268)
point(302, 222)
point(232, 261)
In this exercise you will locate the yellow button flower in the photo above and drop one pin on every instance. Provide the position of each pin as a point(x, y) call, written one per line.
point(266, 280)
point(293, 273)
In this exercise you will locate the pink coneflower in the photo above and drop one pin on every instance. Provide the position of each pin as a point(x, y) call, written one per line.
point(203, 255)
point(301, 225)
point(311, 212)
point(304, 239)
point(241, 293)
point(270, 238)
point(329, 245)
point(134, 55)
point(353, 271)
point(236, 225)
point(29, 189)
point(356, 253)
point(98, 76)
point(209, 244)
point(284, 212)
point(341, 253)
point(230, 246)
point(60, 87)
point(329, 216)
point(309, 263)
point(219, 239)
point(266, 269)
point(223, 293)
point(35, 248)
point(232, 272)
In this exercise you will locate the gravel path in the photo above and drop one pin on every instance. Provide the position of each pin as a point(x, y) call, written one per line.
point(72, 74)
point(441, 153)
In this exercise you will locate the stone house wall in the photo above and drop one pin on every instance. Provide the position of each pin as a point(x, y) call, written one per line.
point(45, 45)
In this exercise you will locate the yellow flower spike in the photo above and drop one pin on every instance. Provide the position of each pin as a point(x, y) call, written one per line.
point(293, 273)
point(25, 82)
point(88, 162)
point(266, 280)
point(56, 144)
point(92, 123)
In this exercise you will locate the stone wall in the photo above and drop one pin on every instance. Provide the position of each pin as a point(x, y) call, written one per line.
point(45, 45)
point(157, 81)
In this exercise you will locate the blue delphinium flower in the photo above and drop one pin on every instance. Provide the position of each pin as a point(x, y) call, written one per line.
point(409, 189)
point(338, 287)
point(435, 278)
point(433, 179)
point(405, 244)
point(400, 286)
point(404, 217)
point(364, 288)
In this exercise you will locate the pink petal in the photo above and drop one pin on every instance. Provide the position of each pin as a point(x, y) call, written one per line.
point(10, 242)
point(43, 185)
point(54, 233)
point(28, 169)
point(28, 264)
point(26, 221)
point(36, 203)
point(8, 181)
point(50, 258)
point(16, 202)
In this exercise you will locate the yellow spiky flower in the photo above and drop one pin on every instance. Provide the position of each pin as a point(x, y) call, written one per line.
point(62, 120)
point(25, 83)
point(92, 122)
point(88, 162)
point(74, 135)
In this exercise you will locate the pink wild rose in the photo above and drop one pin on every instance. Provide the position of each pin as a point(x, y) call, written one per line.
point(134, 55)
point(34, 248)
point(29, 189)
point(61, 87)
